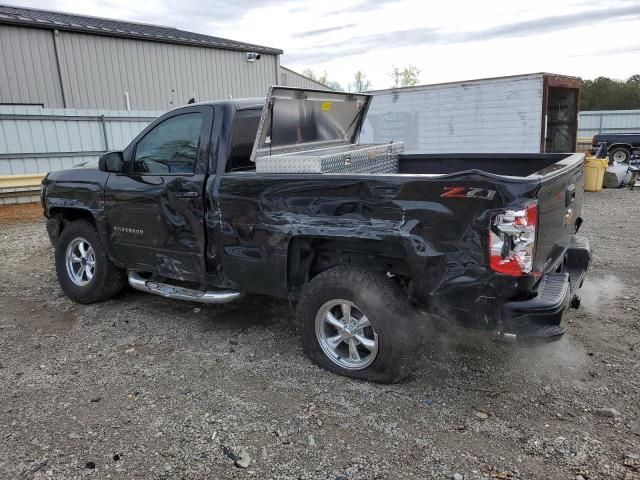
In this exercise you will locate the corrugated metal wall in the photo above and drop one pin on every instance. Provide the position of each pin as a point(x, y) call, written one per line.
point(97, 70)
point(289, 78)
point(37, 140)
point(493, 115)
point(28, 69)
point(608, 121)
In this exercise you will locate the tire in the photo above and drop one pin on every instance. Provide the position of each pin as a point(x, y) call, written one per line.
point(105, 280)
point(619, 155)
point(393, 336)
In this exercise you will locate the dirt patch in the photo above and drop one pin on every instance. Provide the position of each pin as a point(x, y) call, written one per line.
point(35, 315)
point(21, 213)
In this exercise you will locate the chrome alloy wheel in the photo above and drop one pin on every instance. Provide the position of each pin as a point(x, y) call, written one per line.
point(80, 260)
point(345, 335)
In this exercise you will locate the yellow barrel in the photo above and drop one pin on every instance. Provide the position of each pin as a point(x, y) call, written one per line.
point(594, 169)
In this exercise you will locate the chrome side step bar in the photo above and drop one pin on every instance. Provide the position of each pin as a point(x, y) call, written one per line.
point(179, 293)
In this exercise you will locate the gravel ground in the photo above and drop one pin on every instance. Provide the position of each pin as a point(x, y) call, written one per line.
point(144, 387)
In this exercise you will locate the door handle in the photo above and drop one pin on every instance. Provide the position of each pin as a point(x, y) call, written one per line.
point(187, 195)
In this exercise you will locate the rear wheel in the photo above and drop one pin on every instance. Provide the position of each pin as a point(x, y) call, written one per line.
point(619, 155)
point(84, 270)
point(359, 324)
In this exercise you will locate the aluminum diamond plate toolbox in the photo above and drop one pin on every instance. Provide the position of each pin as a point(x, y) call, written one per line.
point(365, 158)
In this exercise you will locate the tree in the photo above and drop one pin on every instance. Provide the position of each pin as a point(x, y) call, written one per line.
point(322, 78)
point(333, 85)
point(405, 77)
point(604, 93)
point(360, 83)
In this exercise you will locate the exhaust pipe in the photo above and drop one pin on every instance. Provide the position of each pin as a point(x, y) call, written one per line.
point(508, 337)
point(500, 336)
point(180, 293)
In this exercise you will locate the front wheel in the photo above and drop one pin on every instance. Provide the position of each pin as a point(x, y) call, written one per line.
point(358, 323)
point(84, 270)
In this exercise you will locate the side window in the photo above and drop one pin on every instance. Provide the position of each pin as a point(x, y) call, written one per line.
point(171, 147)
point(245, 129)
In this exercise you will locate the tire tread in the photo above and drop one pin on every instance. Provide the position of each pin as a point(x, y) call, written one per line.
point(393, 318)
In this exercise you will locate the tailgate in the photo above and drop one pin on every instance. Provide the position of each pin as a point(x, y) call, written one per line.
point(559, 208)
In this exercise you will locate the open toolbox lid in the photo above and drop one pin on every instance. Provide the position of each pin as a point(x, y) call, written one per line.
point(295, 119)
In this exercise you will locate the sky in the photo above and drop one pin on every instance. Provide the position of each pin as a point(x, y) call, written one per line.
point(448, 40)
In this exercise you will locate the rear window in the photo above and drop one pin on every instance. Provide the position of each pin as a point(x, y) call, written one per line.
point(245, 129)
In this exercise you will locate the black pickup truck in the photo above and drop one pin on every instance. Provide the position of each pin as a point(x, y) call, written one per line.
point(620, 146)
point(368, 261)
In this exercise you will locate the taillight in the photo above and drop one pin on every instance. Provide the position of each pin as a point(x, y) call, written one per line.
point(512, 240)
point(594, 143)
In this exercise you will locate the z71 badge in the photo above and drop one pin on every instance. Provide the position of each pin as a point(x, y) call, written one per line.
point(468, 192)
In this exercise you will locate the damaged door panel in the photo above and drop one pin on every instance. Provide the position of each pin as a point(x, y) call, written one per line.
point(154, 207)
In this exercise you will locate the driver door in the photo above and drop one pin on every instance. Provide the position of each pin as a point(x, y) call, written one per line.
point(155, 206)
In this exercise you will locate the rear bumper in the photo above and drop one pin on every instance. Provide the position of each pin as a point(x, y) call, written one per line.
point(541, 317)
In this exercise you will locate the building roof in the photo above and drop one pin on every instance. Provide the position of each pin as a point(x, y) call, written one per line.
point(48, 19)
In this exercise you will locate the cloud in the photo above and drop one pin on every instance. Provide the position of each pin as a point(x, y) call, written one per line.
point(430, 36)
point(364, 44)
point(622, 50)
point(553, 24)
point(321, 31)
point(610, 3)
point(362, 6)
point(198, 15)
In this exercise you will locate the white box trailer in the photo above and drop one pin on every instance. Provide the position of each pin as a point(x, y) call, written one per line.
point(534, 113)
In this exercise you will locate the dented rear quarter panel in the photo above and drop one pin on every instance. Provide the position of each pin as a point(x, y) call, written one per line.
point(444, 239)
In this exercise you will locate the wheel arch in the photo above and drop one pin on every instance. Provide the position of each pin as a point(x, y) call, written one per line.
point(308, 256)
point(70, 214)
point(613, 146)
point(59, 217)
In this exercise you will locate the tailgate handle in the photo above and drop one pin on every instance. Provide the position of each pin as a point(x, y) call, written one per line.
point(570, 195)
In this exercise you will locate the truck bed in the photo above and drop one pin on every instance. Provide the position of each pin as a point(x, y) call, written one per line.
point(508, 164)
point(522, 165)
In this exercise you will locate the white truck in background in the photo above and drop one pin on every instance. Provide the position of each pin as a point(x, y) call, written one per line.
point(534, 113)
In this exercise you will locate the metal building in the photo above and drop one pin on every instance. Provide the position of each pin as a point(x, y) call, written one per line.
point(54, 60)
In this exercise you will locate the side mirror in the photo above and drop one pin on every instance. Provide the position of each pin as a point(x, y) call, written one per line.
point(111, 162)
